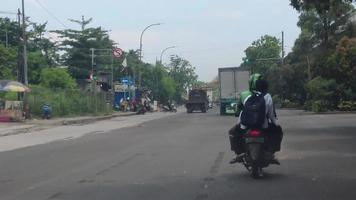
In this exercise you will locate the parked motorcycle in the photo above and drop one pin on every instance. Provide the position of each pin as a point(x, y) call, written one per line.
point(169, 108)
point(141, 110)
point(256, 156)
point(46, 111)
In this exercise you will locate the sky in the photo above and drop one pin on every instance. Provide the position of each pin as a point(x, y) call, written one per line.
point(209, 34)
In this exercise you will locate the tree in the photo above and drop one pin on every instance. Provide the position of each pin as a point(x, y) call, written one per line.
point(320, 57)
point(11, 28)
point(8, 62)
point(262, 54)
point(39, 43)
point(183, 73)
point(41, 51)
point(168, 89)
point(57, 78)
point(77, 45)
point(328, 11)
point(341, 66)
point(322, 92)
point(36, 63)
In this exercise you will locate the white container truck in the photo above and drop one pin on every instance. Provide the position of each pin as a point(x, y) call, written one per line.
point(232, 82)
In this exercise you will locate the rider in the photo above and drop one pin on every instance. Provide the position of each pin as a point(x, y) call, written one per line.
point(257, 84)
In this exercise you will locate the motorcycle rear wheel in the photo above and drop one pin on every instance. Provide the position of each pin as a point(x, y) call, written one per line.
point(256, 172)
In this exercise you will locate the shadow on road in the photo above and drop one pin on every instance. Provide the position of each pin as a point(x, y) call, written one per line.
point(246, 176)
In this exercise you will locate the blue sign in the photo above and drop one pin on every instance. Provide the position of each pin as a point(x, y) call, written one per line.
point(127, 81)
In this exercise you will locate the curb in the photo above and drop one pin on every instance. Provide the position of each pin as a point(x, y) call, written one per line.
point(93, 119)
point(64, 122)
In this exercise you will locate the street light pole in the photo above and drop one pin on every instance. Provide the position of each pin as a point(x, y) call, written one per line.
point(149, 26)
point(163, 51)
point(157, 24)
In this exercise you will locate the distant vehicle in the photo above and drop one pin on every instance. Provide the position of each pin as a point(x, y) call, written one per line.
point(232, 82)
point(198, 100)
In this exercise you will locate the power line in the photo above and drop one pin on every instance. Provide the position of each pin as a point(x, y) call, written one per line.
point(51, 14)
point(8, 13)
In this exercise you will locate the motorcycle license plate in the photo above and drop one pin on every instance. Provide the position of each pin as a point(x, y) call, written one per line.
point(251, 140)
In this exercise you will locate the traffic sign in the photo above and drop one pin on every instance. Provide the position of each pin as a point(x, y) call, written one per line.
point(127, 81)
point(117, 52)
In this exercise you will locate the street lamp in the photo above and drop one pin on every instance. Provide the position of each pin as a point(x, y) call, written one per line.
point(164, 50)
point(139, 74)
point(157, 24)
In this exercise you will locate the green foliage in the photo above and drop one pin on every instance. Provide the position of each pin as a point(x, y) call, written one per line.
point(347, 106)
point(38, 42)
point(341, 65)
point(289, 104)
point(262, 54)
point(323, 93)
point(327, 13)
point(36, 63)
point(183, 73)
point(77, 45)
point(8, 64)
point(277, 100)
point(12, 29)
point(9, 96)
point(323, 57)
point(67, 102)
point(57, 78)
point(168, 89)
point(320, 106)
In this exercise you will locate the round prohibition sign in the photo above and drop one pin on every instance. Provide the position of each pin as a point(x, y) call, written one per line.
point(117, 52)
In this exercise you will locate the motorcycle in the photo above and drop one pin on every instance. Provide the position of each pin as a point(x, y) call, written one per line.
point(256, 157)
point(46, 111)
point(141, 110)
point(169, 108)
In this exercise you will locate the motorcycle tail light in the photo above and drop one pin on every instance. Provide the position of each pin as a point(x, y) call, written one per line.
point(255, 133)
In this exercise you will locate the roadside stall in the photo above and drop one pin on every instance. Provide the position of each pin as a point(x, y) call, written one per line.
point(11, 110)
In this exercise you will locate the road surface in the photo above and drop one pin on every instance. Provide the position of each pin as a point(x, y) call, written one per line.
point(177, 156)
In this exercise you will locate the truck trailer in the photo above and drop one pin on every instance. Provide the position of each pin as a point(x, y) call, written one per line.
point(232, 81)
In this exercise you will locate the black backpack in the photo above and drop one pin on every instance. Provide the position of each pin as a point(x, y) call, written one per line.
point(254, 111)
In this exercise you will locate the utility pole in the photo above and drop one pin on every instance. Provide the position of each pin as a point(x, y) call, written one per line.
point(25, 66)
point(282, 47)
point(19, 53)
point(24, 37)
point(93, 81)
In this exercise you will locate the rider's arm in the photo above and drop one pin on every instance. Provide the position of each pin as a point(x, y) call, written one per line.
point(270, 109)
point(239, 107)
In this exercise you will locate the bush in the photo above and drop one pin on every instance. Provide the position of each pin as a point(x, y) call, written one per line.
point(289, 104)
point(276, 99)
point(347, 106)
point(308, 105)
point(67, 102)
point(322, 93)
point(320, 106)
point(57, 78)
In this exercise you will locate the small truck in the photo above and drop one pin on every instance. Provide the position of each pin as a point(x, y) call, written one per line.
point(198, 100)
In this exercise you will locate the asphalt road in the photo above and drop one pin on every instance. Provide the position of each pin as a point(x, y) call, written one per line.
point(183, 157)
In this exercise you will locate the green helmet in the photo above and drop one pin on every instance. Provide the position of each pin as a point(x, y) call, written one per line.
point(253, 80)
